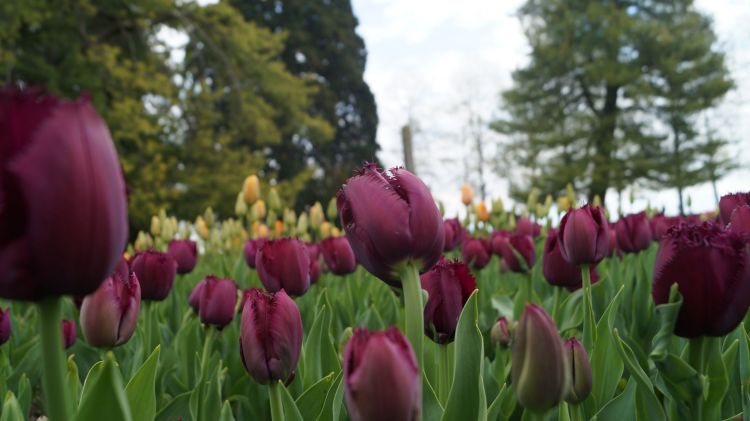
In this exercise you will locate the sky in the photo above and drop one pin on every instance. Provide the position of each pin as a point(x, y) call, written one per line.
point(436, 62)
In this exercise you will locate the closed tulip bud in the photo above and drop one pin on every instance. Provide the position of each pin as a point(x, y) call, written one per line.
point(390, 218)
point(274, 201)
point(335, 232)
point(185, 253)
point(194, 300)
point(740, 219)
point(262, 231)
point(332, 212)
point(155, 226)
point(69, 334)
point(4, 325)
point(512, 221)
point(448, 285)
point(584, 236)
point(711, 267)
point(251, 189)
point(109, 315)
point(467, 194)
point(518, 246)
point(218, 298)
point(563, 204)
point(497, 206)
point(201, 228)
point(63, 210)
point(251, 250)
point(579, 372)
point(597, 201)
point(482, 213)
point(155, 272)
point(502, 332)
point(302, 223)
point(270, 336)
point(633, 233)
point(240, 207)
point(538, 367)
point(284, 263)
point(558, 271)
point(454, 233)
point(316, 216)
point(338, 255)
point(381, 377)
point(278, 228)
point(259, 210)
point(325, 229)
point(476, 252)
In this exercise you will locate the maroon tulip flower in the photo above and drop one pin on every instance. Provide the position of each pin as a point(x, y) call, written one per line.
point(194, 300)
point(711, 267)
point(448, 285)
point(185, 253)
point(217, 300)
point(284, 263)
point(660, 224)
point(270, 336)
point(558, 271)
point(584, 236)
point(4, 325)
point(501, 333)
point(454, 234)
point(740, 219)
point(525, 226)
point(390, 217)
point(63, 214)
point(515, 246)
point(381, 377)
point(579, 372)
point(476, 252)
point(633, 233)
point(338, 255)
point(498, 241)
point(109, 315)
point(730, 202)
point(155, 272)
point(69, 334)
point(251, 250)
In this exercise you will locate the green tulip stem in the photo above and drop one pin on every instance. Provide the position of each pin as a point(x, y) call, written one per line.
point(555, 302)
point(207, 342)
point(413, 308)
point(57, 404)
point(589, 321)
point(444, 373)
point(576, 412)
point(277, 408)
point(696, 358)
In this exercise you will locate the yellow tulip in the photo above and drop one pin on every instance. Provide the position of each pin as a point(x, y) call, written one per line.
point(467, 194)
point(251, 189)
point(482, 212)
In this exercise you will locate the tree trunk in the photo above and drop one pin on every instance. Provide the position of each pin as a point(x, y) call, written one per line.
point(680, 201)
point(604, 145)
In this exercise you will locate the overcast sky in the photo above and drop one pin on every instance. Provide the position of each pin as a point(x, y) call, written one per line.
point(432, 60)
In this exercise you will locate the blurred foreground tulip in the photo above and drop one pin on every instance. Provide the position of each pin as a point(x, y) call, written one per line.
point(454, 233)
point(381, 377)
point(4, 325)
point(155, 272)
point(579, 372)
point(338, 255)
point(633, 233)
point(69, 334)
point(584, 235)
point(448, 284)
point(185, 253)
point(109, 315)
point(284, 263)
point(270, 336)
point(740, 219)
point(728, 203)
point(218, 298)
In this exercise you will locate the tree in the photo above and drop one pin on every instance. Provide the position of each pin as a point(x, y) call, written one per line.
point(586, 108)
point(321, 45)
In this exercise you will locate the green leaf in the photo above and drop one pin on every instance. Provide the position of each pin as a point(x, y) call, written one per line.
point(310, 403)
point(606, 364)
point(338, 402)
point(666, 315)
point(622, 407)
point(205, 401)
point(503, 405)
point(319, 353)
point(103, 396)
point(178, 407)
point(291, 413)
point(648, 405)
point(327, 413)
point(744, 362)
point(683, 381)
point(72, 379)
point(141, 389)
point(24, 395)
point(431, 408)
point(226, 412)
point(718, 381)
point(465, 401)
point(11, 409)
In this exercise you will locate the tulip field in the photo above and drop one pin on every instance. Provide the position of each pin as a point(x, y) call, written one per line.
point(374, 306)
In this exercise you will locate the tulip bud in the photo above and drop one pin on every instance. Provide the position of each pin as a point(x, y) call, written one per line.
point(597, 202)
point(518, 246)
point(259, 210)
point(109, 314)
point(325, 229)
point(502, 333)
point(217, 300)
point(512, 221)
point(284, 263)
point(251, 189)
point(497, 206)
point(381, 377)
point(482, 213)
point(185, 253)
point(201, 228)
point(302, 223)
point(68, 328)
point(740, 219)
point(448, 285)
point(338, 255)
point(335, 232)
point(476, 252)
point(194, 299)
point(633, 233)
point(539, 365)
point(4, 325)
point(579, 372)
point(584, 236)
point(278, 228)
point(454, 233)
point(270, 336)
point(262, 231)
point(240, 207)
point(155, 226)
point(563, 204)
point(316, 216)
point(155, 272)
point(251, 250)
point(274, 201)
point(332, 212)
point(467, 194)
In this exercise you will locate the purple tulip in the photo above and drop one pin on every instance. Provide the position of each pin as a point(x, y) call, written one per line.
point(476, 252)
point(740, 219)
point(63, 212)
point(185, 253)
point(660, 224)
point(711, 267)
point(501, 332)
point(194, 300)
point(579, 372)
point(270, 336)
point(558, 271)
point(284, 263)
point(448, 285)
point(217, 301)
point(633, 233)
point(4, 325)
point(584, 236)
point(525, 226)
point(454, 233)
point(69, 334)
point(155, 272)
point(109, 315)
point(499, 240)
point(381, 377)
point(390, 217)
point(338, 255)
point(251, 250)
point(521, 245)
point(728, 203)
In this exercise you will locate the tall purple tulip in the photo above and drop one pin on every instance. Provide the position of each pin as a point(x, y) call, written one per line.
point(381, 377)
point(63, 212)
point(740, 219)
point(155, 272)
point(4, 325)
point(476, 252)
point(448, 285)
point(633, 232)
point(251, 250)
point(584, 235)
point(390, 218)
point(194, 299)
point(728, 203)
point(711, 267)
point(520, 244)
point(217, 301)
point(270, 336)
point(454, 233)
point(68, 328)
point(284, 263)
point(558, 271)
point(185, 253)
point(338, 255)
